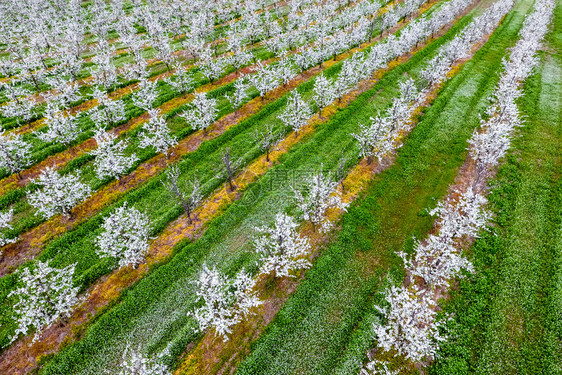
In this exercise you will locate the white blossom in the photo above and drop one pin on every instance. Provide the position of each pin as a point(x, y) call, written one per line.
point(320, 196)
point(5, 219)
point(203, 112)
point(134, 362)
point(157, 134)
point(324, 92)
point(125, 236)
point(182, 80)
point(411, 329)
point(58, 193)
point(47, 294)
point(239, 94)
point(145, 97)
point(281, 248)
point(60, 128)
point(376, 367)
point(226, 301)
point(15, 153)
point(296, 113)
point(107, 111)
point(110, 159)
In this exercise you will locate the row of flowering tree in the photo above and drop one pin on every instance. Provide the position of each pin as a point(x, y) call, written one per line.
point(411, 328)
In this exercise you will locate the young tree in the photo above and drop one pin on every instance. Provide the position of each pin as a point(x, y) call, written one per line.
point(21, 104)
point(104, 71)
point(264, 79)
point(108, 111)
point(135, 363)
point(144, 98)
point(303, 60)
point(228, 168)
point(226, 301)
point(125, 236)
point(212, 68)
point(157, 134)
point(239, 94)
point(110, 159)
point(375, 139)
point(286, 71)
point(164, 52)
point(464, 216)
point(203, 112)
point(239, 59)
point(59, 194)
point(341, 171)
point(188, 201)
point(350, 74)
point(182, 80)
point(411, 328)
point(15, 153)
point(297, 113)
point(281, 248)
point(437, 260)
point(267, 140)
point(5, 219)
point(324, 93)
point(321, 195)
point(64, 92)
point(60, 128)
point(46, 295)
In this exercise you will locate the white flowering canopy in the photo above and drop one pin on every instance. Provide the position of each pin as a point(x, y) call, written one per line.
point(5, 218)
point(320, 195)
point(226, 301)
point(145, 97)
point(377, 367)
point(110, 156)
point(296, 113)
point(47, 294)
point(59, 193)
point(324, 91)
point(15, 153)
point(411, 329)
point(108, 111)
point(156, 133)
point(182, 80)
point(125, 236)
point(281, 247)
point(60, 128)
point(202, 113)
point(134, 362)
